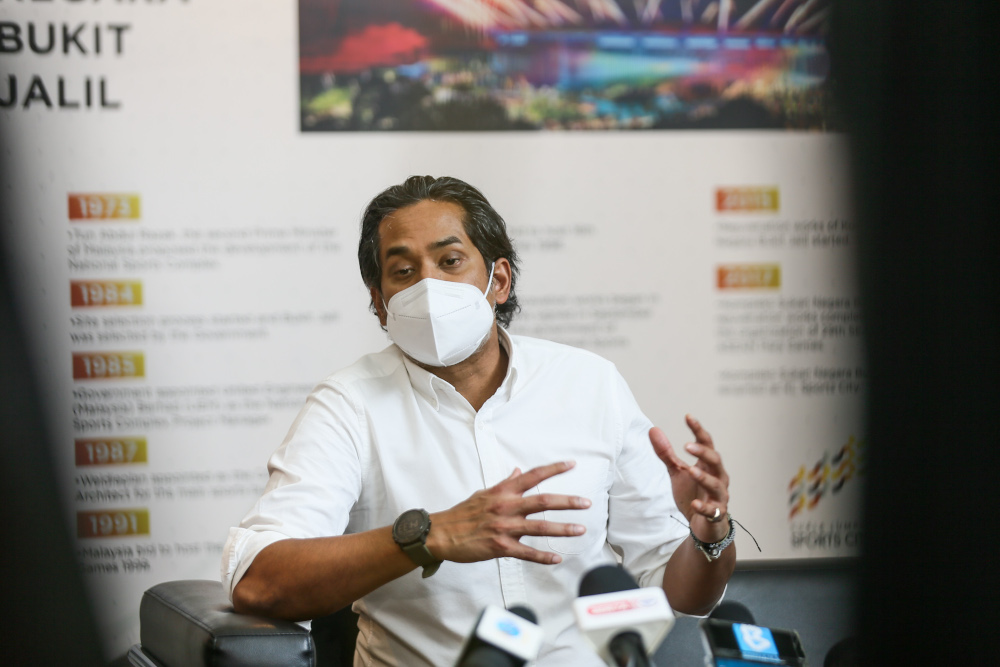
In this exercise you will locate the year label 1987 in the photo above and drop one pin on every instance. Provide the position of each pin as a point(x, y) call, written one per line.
point(110, 451)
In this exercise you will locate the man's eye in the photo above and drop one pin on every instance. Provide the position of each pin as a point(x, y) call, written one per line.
point(452, 261)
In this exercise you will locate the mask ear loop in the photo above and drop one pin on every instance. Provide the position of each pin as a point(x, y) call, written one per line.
point(489, 286)
point(489, 282)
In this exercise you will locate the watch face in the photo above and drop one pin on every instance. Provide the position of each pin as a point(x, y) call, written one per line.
point(409, 526)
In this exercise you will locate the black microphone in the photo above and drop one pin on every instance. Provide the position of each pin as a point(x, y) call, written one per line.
point(502, 638)
point(731, 636)
point(732, 611)
point(845, 653)
point(619, 618)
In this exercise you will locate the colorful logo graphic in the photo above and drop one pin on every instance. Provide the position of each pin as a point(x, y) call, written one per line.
point(828, 477)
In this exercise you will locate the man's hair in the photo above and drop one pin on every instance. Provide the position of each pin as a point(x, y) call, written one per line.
point(483, 225)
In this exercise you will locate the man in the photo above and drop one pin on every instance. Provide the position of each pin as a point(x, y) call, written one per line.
point(462, 466)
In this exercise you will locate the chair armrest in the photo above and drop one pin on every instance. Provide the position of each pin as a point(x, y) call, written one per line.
point(191, 623)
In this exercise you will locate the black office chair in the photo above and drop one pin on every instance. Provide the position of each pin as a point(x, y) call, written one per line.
point(192, 624)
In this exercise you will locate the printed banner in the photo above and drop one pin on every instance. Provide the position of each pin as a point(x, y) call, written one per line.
point(182, 215)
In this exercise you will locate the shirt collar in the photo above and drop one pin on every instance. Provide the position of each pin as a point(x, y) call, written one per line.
point(427, 384)
point(510, 379)
point(422, 380)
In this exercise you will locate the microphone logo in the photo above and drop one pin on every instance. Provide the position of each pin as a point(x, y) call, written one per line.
point(508, 628)
point(756, 642)
point(615, 606)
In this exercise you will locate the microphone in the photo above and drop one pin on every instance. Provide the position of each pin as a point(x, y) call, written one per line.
point(623, 622)
point(731, 637)
point(845, 653)
point(502, 638)
point(732, 611)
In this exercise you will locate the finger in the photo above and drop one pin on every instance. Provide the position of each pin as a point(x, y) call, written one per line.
point(664, 450)
point(705, 455)
point(549, 529)
point(552, 501)
point(509, 480)
point(710, 461)
point(700, 434)
point(524, 552)
point(712, 484)
point(531, 478)
point(708, 510)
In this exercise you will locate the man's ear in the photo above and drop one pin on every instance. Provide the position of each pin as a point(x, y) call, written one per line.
point(501, 280)
point(379, 307)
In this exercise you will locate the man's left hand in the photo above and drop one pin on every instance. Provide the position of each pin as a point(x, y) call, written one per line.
point(701, 490)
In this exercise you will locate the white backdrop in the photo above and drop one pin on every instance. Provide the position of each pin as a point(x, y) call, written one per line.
point(714, 268)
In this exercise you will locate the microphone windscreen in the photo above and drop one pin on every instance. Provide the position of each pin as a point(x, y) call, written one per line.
point(845, 653)
point(488, 656)
point(733, 612)
point(524, 613)
point(606, 579)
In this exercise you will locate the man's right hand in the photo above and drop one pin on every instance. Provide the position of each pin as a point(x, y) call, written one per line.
point(491, 522)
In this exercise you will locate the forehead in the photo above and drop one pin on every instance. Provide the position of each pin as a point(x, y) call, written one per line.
point(418, 226)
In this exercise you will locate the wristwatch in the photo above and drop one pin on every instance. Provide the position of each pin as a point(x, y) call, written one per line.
point(410, 533)
point(713, 550)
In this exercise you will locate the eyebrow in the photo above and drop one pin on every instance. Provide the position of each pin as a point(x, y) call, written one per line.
point(436, 245)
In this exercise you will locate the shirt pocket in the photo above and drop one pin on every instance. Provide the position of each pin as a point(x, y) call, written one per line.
point(589, 478)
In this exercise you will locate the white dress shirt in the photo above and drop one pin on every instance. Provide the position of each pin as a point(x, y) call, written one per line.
point(384, 435)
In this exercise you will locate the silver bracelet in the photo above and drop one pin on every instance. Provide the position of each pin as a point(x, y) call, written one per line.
point(713, 550)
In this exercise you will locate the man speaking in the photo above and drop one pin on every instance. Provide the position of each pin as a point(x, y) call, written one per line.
point(463, 467)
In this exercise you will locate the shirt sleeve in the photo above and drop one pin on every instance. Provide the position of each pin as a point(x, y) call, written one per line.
point(316, 477)
point(644, 524)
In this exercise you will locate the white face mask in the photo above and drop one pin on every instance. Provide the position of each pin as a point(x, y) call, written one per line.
point(438, 322)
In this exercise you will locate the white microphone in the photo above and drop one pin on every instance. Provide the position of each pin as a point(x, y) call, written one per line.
point(502, 638)
point(623, 622)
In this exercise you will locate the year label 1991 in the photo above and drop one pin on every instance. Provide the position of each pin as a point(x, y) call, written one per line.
point(112, 523)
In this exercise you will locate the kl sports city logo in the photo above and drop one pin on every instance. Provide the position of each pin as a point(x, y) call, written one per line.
point(826, 478)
